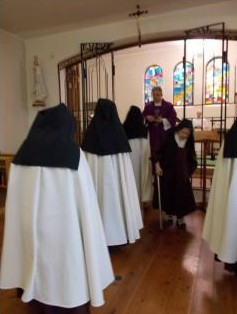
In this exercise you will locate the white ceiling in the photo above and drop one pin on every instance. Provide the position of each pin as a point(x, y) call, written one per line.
point(30, 18)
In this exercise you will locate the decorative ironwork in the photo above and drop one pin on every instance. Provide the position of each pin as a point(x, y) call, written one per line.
point(212, 31)
point(215, 34)
point(206, 32)
point(93, 50)
point(210, 34)
point(95, 78)
point(72, 82)
point(69, 62)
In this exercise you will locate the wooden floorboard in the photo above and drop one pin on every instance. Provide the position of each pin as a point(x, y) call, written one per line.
point(168, 272)
point(203, 296)
point(225, 289)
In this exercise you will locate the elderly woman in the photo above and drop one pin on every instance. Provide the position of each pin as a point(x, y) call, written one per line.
point(176, 162)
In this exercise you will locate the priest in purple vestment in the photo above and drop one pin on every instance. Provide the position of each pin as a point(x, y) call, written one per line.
point(160, 117)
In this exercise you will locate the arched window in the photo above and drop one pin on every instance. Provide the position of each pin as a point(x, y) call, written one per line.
point(153, 77)
point(178, 84)
point(214, 79)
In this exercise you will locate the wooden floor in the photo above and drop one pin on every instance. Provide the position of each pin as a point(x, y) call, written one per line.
point(169, 272)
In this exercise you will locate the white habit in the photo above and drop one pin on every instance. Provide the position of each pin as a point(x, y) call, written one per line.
point(54, 246)
point(117, 195)
point(220, 229)
point(140, 158)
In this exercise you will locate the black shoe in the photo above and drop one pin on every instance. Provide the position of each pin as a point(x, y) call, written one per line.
point(169, 221)
point(181, 224)
point(216, 258)
point(232, 268)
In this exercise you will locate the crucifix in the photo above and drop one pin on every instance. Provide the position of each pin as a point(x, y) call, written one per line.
point(137, 16)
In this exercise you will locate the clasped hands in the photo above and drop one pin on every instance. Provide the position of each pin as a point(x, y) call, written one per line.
point(151, 118)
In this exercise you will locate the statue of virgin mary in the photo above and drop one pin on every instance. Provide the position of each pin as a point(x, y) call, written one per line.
point(39, 90)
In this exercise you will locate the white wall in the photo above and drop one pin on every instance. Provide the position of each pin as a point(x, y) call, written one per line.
point(13, 97)
point(55, 48)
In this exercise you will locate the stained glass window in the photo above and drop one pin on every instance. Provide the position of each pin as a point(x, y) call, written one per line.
point(153, 77)
point(213, 80)
point(178, 81)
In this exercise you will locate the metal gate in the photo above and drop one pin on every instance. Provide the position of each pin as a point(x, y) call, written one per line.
point(98, 74)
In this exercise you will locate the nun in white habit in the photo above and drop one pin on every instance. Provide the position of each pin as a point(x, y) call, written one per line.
point(220, 230)
point(107, 151)
point(54, 247)
point(137, 134)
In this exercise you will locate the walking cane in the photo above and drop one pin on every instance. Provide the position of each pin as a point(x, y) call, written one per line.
point(159, 196)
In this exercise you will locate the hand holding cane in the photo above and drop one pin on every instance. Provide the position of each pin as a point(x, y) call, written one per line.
point(159, 173)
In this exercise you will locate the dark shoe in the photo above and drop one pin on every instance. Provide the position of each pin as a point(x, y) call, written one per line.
point(232, 268)
point(181, 223)
point(216, 258)
point(168, 221)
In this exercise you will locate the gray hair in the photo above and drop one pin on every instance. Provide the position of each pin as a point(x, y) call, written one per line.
point(157, 88)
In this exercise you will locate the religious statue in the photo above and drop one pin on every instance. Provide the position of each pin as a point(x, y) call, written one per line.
point(39, 90)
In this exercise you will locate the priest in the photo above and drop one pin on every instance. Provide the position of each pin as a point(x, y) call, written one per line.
point(54, 247)
point(107, 151)
point(160, 116)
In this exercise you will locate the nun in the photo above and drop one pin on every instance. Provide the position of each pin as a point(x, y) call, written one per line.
point(137, 134)
point(220, 230)
point(107, 151)
point(54, 247)
point(175, 163)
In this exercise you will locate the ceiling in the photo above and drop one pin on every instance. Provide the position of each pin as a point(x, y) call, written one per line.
point(32, 18)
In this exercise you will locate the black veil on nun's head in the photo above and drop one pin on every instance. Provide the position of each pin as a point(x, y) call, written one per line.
point(230, 145)
point(50, 142)
point(186, 124)
point(133, 125)
point(105, 134)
